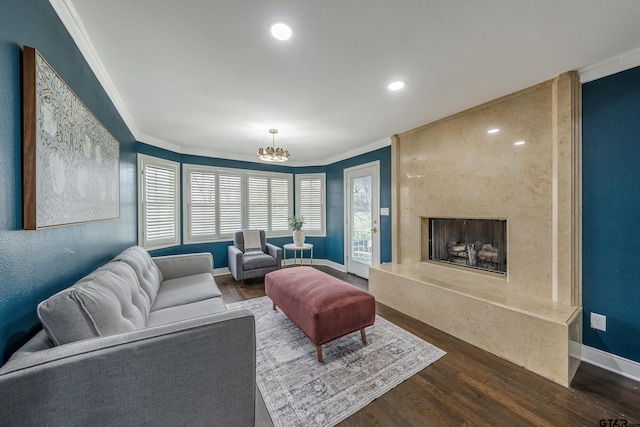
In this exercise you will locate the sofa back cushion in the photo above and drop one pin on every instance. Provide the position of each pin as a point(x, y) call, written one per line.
point(149, 275)
point(108, 301)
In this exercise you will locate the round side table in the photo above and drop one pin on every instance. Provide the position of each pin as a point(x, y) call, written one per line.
point(295, 249)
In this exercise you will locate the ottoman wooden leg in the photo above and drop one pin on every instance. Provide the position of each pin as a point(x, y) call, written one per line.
point(319, 351)
point(363, 335)
point(274, 305)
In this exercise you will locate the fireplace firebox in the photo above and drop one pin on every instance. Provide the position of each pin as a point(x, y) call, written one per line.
point(475, 243)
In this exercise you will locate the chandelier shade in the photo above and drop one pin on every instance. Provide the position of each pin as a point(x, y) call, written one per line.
point(273, 154)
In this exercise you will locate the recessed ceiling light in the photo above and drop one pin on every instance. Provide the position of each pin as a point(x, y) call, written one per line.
point(397, 85)
point(281, 31)
point(518, 143)
point(495, 130)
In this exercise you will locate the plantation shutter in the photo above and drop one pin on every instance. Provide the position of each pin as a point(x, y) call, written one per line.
point(230, 188)
point(160, 214)
point(218, 202)
point(311, 203)
point(201, 211)
point(258, 187)
point(280, 204)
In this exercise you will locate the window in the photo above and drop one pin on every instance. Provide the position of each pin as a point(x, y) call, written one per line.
point(158, 193)
point(219, 202)
point(310, 197)
point(230, 212)
point(201, 205)
point(258, 202)
point(269, 203)
point(281, 204)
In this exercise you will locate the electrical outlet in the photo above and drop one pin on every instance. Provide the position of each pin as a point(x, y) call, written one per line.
point(599, 322)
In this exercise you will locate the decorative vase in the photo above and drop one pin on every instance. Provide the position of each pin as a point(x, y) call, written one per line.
point(298, 237)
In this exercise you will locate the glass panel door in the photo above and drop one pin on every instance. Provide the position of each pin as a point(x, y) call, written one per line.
point(361, 231)
point(361, 219)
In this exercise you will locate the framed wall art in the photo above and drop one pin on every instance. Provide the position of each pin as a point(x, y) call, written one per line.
point(70, 161)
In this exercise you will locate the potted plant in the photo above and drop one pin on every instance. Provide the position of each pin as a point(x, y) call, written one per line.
point(296, 222)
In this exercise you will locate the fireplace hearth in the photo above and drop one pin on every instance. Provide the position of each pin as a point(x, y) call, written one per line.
point(474, 243)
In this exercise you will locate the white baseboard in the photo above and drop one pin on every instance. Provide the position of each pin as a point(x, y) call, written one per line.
point(334, 265)
point(611, 362)
point(221, 271)
point(307, 261)
point(289, 262)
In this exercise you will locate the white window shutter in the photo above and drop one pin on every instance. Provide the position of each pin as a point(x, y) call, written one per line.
point(160, 207)
point(230, 213)
point(311, 203)
point(280, 204)
point(221, 201)
point(201, 208)
point(258, 187)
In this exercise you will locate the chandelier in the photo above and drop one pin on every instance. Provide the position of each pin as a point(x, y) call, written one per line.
point(273, 154)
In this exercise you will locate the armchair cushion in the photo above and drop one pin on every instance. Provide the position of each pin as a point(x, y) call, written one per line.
point(250, 262)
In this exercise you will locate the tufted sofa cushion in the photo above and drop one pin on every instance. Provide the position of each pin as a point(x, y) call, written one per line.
point(106, 302)
point(149, 275)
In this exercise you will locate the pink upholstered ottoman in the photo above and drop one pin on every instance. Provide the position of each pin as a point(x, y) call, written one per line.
point(322, 306)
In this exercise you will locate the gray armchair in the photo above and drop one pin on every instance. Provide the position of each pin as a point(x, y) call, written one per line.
point(245, 266)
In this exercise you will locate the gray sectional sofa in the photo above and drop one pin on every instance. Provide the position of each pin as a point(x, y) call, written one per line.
point(139, 341)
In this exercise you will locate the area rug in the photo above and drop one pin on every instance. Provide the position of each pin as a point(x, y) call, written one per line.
point(299, 391)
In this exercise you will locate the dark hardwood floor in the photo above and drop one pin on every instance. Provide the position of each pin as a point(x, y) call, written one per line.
point(471, 387)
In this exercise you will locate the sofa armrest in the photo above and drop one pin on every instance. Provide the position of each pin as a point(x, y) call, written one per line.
point(174, 266)
point(275, 252)
point(199, 371)
point(235, 262)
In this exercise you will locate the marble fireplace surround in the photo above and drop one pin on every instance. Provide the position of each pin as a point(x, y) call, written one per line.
point(453, 168)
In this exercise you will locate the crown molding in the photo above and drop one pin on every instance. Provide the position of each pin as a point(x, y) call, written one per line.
point(610, 66)
point(193, 151)
point(74, 25)
point(206, 152)
point(72, 22)
point(160, 143)
point(357, 151)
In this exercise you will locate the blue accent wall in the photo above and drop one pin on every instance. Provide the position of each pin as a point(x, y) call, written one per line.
point(611, 211)
point(330, 247)
point(36, 264)
point(335, 203)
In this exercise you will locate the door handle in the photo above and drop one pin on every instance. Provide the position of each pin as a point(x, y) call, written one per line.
point(374, 229)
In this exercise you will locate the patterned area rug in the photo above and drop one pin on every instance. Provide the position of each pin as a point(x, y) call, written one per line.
point(299, 391)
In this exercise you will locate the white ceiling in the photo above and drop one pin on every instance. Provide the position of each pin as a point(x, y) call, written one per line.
point(205, 76)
